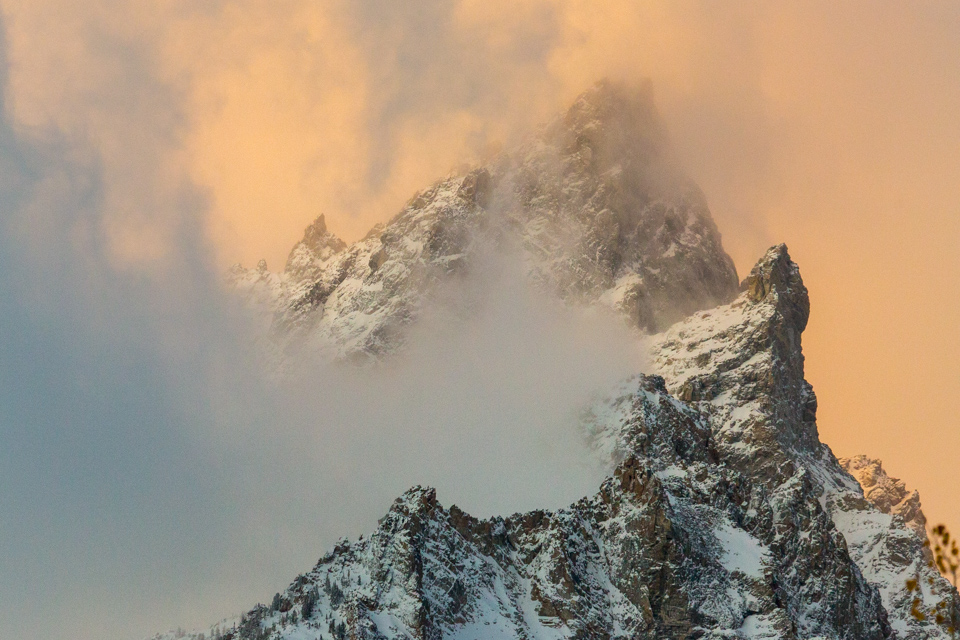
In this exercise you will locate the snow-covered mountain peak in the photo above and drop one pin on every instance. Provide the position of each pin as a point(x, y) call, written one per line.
point(593, 203)
point(723, 515)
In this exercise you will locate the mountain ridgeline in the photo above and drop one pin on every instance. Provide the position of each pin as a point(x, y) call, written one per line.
point(594, 206)
point(724, 516)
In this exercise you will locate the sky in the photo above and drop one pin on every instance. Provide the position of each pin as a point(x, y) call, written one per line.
point(146, 480)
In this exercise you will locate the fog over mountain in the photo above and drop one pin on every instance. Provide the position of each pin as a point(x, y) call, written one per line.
point(721, 514)
point(179, 441)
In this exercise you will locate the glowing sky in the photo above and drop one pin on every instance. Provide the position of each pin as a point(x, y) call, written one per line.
point(147, 145)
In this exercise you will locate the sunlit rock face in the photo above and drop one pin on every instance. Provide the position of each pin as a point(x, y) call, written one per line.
point(593, 205)
point(723, 515)
point(889, 495)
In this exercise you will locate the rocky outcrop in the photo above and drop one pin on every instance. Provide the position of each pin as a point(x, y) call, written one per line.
point(607, 215)
point(741, 365)
point(885, 530)
point(593, 204)
point(309, 256)
point(889, 495)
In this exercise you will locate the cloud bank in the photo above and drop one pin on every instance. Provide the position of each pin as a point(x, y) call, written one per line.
point(152, 474)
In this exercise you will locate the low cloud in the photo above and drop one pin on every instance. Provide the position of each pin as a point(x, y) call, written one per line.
point(153, 474)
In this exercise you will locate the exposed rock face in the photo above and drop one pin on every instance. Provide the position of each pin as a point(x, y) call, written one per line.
point(724, 517)
point(593, 203)
point(742, 366)
point(888, 542)
point(607, 215)
point(888, 494)
point(308, 257)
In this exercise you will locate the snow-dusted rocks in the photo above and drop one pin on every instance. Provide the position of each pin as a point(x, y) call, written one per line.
point(724, 515)
point(606, 215)
point(741, 365)
point(593, 205)
point(889, 495)
point(886, 534)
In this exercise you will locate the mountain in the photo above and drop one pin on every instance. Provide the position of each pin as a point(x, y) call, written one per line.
point(593, 204)
point(724, 516)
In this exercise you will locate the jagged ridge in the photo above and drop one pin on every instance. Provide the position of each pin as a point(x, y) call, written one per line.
point(593, 203)
point(725, 517)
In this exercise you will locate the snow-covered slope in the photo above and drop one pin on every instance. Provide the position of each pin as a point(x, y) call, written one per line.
point(593, 204)
point(888, 542)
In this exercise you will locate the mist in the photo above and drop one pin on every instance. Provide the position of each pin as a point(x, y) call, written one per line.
point(483, 403)
point(155, 473)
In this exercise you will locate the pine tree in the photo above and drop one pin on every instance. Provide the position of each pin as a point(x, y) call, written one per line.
point(309, 602)
point(336, 594)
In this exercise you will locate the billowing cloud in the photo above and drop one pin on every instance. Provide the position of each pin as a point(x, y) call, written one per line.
point(152, 474)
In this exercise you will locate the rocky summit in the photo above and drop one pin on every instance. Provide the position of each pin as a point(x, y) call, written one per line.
point(724, 516)
point(593, 205)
